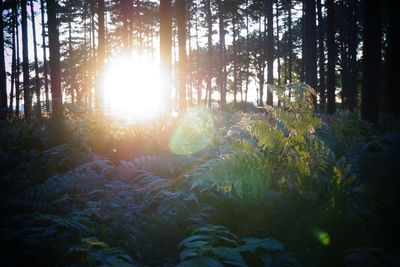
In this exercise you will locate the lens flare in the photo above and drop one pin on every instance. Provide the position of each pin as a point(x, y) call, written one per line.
point(322, 236)
point(195, 132)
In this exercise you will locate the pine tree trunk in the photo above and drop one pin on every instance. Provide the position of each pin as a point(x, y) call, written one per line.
point(310, 60)
point(3, 76)
point(55, 68)
point(25, 61)
point(321, 53)
point(222, 67)
point(371, 60)
point(331, 105)
point(290, 42)
point(181, 20)
point(165, 49)
point(270, 51)
point(37, 82)
point(17, 67)
point(101, 54)
point(392, 60)
point(209, 50)
point(45, 66)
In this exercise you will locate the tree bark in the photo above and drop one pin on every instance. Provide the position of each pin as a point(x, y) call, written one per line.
point(37, 82)
point(321, 54)
point(222, 67)
point(165, 50)
point(55, 68)
point(392, 60)
point(331, 106)
point(181, 20)
point(100, 55)
point(25, 61)
point(270, 51)
point(371, 60)
point(3, 76)
point(45, 66)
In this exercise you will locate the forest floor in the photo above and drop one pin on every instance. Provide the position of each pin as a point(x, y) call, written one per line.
point(206, 188)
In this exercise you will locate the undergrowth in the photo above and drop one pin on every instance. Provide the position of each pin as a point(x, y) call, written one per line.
point(270, 187)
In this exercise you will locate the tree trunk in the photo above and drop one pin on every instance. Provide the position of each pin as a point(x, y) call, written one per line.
point(310, 60)
point(13, 58)
point(321, 53)
point(392, 60)
point(234, 59)
point(353, 87)
point(3, 76)
point(45, 66)
point(165, 49)
point(222, 67)
point(55, 68)
point(37, 83)
point(371, 60)
point(17, 67)
point(181, 20)
point(25, 61)
point(331, 106)
point(209, 52)
point(100, 55)
point(270, 51)
point(290, 42)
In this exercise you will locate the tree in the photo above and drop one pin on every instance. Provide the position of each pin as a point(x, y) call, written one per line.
point(222, 66)
point(181, 19)
point(45, 66)
point(37, 83)
point(371, 60)
point(270, 50)
point(165, 48)
point(25, 61)
point(209, 50)
point(321, 55)
point(310, 45)
point(3, 77)
point(55, 68)
point(392, 59)
point(101, 53)
point(331, 106)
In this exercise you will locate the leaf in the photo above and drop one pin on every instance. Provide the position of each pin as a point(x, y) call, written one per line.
point(229, 255)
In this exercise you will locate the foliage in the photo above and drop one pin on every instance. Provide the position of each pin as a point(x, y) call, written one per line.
point(270, 174)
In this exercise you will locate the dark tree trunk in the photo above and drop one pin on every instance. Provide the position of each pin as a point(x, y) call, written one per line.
point(270, 51)
point(290, 42)
point(278, 49)
point(222, 67)
point(17, 67)
point(101, 55)
point(392, 60)
point(3, 76)
point(371, 60)
point(234, 46)
point(331, 105)
point(25, 61)
point(321, 53)
point(55, 68)
point(310, 60)
point(247, 54)
point(209, 51)
point(45, 66)
point(13, 63)
point(181, 20)
point(165, 49)
point(37, 82)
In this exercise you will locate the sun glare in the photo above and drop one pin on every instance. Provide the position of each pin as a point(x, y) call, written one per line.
point(132, 88)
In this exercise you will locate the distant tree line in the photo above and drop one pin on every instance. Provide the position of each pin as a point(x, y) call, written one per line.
point(346, 50)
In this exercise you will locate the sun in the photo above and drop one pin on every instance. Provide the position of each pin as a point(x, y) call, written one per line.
point(132, 88)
